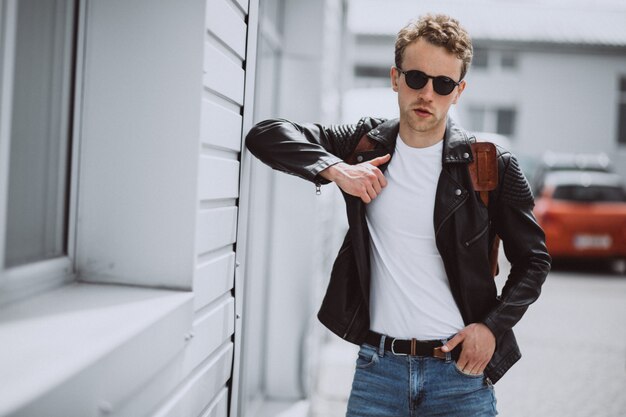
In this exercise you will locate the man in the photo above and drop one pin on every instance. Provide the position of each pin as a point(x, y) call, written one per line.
point(412, 283)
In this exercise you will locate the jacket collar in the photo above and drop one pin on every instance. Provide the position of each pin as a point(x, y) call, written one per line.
point(456, 141)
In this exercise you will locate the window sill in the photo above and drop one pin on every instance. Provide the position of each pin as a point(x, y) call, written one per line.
point(100, 341)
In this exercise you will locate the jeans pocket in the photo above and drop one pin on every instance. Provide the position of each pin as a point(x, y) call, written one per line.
point(367, 358)
point(465, 374)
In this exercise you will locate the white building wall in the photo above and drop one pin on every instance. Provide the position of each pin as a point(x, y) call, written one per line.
point(149, 328)
point(566, 101)
point(297, 264)
point(293, 233)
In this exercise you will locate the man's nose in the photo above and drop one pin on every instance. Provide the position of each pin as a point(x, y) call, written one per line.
point(427, 92)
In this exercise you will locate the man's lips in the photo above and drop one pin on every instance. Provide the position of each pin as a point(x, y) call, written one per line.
point(421, 111)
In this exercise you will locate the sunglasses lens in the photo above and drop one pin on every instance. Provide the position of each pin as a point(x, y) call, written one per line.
point(416, 79)
point(443, 85)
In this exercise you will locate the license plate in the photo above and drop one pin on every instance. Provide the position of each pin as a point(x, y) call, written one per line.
point(592, 241)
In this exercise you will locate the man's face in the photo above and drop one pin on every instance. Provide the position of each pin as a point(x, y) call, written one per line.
point(423, 112)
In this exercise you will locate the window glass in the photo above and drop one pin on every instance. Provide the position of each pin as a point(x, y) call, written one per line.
point(621, 122)
point(371, 71)
point(480, 58)
point(36, 224)
point(508, 60)
point(505, 122)
point(594, 193)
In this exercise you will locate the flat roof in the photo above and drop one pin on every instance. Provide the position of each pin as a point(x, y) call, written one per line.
point(571, 22)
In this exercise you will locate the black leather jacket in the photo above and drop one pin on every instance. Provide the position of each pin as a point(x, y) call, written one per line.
point(464, 228)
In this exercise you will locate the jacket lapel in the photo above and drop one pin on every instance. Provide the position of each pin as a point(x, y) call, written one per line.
point(451, 193)
point(386, 134)
point(456, 151)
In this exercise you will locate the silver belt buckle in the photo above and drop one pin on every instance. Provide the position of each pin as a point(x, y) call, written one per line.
point(393, 350)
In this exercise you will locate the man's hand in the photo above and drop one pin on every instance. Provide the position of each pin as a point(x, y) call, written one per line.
point(478, 347)
point(364, 180)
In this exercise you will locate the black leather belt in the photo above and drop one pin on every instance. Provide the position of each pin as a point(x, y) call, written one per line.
point(412, 347)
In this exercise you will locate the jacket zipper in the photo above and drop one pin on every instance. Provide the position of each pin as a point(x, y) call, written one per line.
point(450, 214)
point(475, 238)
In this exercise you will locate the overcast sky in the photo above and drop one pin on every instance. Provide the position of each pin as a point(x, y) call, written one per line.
point(593, 4)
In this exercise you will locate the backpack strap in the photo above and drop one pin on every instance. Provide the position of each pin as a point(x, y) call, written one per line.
point(484, 169)
point(484, 172)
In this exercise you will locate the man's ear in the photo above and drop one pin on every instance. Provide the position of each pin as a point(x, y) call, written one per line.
point(393, 74)
point(458, 91)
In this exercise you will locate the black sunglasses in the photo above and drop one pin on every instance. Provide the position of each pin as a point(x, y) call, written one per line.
point(418, 79)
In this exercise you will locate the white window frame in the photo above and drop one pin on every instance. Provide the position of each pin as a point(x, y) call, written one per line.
point(24, 280)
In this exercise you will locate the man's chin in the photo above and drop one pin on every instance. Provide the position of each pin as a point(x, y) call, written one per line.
point(423, 126)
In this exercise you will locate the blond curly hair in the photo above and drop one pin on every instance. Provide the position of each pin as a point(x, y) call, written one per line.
point(439, 30)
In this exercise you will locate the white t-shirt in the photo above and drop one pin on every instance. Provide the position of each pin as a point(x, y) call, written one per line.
point(410, 292)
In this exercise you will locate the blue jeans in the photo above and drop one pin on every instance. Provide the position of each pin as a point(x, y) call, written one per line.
point(386, 385)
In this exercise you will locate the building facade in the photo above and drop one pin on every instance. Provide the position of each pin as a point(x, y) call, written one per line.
point(141, 250)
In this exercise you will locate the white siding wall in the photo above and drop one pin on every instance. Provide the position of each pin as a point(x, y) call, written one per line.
point(206, 367)
point(225, 39)
point(158, 137)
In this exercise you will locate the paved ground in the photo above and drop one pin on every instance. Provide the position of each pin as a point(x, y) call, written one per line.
point(574, 345)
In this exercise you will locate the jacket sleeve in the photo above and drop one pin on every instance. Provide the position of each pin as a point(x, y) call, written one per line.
point(304, 150)
point(524, 247)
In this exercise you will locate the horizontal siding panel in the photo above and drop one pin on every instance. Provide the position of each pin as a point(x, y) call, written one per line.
point(220, 126)
point(216, 228)
point(201, 388)
point(213, 279)
point(219, 178)
point(219, 407)
point(162, 387)
point(210, 331)
point(223, 75)
point(243, 4)
point(223, 21)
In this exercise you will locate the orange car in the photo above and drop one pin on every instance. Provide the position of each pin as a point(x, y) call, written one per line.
point(583, 214)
